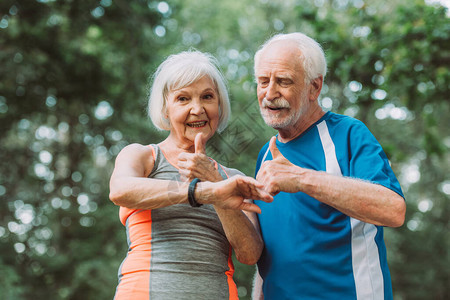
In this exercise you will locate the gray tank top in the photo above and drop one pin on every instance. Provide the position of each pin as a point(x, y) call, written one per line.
point(190, 255)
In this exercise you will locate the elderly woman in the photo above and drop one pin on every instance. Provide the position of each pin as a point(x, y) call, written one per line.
point(183, 211)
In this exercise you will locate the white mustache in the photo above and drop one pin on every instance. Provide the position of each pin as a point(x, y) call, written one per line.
point(276, 103)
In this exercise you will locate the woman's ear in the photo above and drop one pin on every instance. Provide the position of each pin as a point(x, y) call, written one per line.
point(165, 116)
point(165, 113)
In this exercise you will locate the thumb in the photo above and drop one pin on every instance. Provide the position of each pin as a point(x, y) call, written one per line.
point(199, 144)
point(273, 148)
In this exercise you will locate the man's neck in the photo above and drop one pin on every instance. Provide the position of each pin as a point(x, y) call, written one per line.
point(289, 133)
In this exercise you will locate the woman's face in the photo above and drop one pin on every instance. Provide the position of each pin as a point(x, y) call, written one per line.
point(194, 109)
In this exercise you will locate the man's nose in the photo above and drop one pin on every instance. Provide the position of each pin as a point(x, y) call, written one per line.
point(272, 91)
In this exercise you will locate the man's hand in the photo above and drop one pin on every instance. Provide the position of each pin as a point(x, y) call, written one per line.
point(232, 193)
point(197, 165)
point(279, 174)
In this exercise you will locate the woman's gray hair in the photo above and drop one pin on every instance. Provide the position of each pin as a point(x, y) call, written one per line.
point(179, 71)
point(312, 56)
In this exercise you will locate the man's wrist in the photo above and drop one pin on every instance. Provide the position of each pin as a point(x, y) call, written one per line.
point(306, 179)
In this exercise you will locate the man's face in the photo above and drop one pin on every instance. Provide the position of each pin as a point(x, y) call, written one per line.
point(282, 92)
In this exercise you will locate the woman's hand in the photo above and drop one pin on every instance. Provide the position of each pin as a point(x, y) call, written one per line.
point(231, 193)
point(197, 165)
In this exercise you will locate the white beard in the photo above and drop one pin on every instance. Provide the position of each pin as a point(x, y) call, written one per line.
point(273, 119)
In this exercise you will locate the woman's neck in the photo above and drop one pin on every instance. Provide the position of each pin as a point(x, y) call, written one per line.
point(172, 147)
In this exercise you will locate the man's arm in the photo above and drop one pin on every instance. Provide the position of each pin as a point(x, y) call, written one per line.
point(362, 200)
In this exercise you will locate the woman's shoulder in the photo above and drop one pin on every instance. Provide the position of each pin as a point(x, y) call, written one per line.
point(138, 150)
point(138, 147)
point(138, 157)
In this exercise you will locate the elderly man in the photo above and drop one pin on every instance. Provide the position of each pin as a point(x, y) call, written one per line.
point(334, 187)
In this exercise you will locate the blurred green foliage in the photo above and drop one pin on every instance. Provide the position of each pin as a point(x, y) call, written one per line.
point(74, 78)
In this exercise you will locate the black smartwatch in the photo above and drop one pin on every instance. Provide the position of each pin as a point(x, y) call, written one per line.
point(191, 192)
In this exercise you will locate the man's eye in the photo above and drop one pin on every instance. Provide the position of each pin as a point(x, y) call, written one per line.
point(285, 82)
point(263, 82)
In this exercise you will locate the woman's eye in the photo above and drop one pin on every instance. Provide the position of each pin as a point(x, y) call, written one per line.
point(182, 98)
point(208, 96)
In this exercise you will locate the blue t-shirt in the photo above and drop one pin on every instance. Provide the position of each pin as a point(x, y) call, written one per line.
point(312, 250)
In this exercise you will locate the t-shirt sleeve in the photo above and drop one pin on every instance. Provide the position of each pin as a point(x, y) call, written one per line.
point(368, 160)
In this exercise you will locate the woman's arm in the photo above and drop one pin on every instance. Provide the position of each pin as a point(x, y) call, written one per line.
point(242, 231)
point(130, 187)
point(241, 228)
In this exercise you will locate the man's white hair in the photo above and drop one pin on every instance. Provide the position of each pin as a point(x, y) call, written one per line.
point(179, 71)
point(312, 56)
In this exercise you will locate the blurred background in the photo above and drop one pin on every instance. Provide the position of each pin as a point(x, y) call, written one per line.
point(74, 79)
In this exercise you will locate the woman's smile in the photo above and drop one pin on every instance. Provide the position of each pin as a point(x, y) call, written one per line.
point(197, 124)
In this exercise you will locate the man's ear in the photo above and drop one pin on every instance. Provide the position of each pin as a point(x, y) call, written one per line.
point(315, 87)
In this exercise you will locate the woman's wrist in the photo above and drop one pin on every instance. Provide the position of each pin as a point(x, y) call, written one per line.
point(204, 192)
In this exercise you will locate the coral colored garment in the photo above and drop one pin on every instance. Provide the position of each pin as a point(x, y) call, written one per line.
point(175, 252)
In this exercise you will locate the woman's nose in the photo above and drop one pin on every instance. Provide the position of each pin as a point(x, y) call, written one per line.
point(197, 107)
